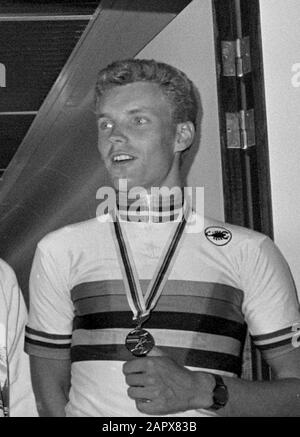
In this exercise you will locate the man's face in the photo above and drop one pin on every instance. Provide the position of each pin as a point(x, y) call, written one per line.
point(136, 135)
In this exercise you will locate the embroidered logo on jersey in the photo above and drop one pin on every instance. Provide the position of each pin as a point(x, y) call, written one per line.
point(218, 235)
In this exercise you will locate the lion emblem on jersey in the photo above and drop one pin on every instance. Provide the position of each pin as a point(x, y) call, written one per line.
point(218, 235)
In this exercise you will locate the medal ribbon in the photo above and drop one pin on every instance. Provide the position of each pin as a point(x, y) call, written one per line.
point(140, 305)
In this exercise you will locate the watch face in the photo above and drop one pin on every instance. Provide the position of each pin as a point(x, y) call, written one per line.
point(220, 395)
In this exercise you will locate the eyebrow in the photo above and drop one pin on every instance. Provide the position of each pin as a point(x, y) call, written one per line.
point(130, 112)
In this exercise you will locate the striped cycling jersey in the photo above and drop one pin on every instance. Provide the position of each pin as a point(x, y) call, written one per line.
point(224, 279)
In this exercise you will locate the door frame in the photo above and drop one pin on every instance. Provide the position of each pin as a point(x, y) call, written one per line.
point(246, 173)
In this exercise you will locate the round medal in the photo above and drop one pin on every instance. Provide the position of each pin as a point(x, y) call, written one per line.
point(139, 342)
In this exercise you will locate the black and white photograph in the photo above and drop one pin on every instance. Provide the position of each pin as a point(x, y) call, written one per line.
point(149, 209)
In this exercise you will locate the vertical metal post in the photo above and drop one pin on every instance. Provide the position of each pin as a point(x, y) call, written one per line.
point(243, 107)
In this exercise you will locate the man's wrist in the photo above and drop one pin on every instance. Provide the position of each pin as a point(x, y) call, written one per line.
point(212, 392)
point(203, 387)
point(220, 394)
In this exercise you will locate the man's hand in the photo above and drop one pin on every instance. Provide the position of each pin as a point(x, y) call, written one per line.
point(160, 386)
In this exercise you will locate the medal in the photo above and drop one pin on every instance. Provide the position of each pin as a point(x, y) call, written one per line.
point(139, 341)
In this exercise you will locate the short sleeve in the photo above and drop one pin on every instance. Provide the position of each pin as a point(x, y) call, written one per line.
point(13, 318)
point(271, 305)
point(49, 329)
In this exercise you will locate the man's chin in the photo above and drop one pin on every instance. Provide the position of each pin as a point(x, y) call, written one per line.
point(124, 185)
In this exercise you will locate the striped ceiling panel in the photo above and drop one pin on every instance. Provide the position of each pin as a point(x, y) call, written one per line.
point(12, 130)
point(48, 6)
point(34, 53)
point(37, 38)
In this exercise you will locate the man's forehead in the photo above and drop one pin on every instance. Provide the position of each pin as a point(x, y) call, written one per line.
point(140, 88)
point(134, 97)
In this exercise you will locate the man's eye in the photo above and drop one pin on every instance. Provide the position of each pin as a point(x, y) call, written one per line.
point(140, 120)
point(105, 125)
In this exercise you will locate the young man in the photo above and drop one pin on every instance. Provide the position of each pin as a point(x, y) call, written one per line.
point(139, 311)
point(16, 394)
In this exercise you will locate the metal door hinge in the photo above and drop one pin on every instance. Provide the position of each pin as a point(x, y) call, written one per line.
point(240, 129)
point(236, 57)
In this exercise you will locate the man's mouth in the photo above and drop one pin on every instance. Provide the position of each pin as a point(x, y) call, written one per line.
point(122, 158)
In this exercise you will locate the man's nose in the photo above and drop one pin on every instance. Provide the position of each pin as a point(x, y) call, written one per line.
point(118, 135)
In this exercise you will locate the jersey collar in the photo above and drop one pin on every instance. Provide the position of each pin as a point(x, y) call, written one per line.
point(151, 208)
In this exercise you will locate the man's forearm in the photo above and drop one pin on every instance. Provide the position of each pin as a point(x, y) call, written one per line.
point(171, 388)
point(266, 398)
point(51, 385)
point(52, 403)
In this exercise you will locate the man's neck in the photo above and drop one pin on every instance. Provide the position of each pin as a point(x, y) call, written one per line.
point(160, 204)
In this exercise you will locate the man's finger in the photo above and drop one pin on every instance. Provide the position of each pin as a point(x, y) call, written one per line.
point(148, 407)
point(142, 393)
point(156, 352)
point(137, 379)
point(134, 366)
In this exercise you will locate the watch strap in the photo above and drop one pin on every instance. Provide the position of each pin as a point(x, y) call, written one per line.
point(220, 393)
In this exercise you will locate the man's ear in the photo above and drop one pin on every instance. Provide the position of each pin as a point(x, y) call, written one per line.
point(185, 133)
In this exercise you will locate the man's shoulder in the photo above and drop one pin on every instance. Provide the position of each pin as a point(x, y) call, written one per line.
point(8, 284)
point(73, 233)
point(220, 232)
point(6, 271)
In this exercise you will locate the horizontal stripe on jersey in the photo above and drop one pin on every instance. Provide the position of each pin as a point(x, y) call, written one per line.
point(47, 345)
point(198, 323)
point(209, 360)
point(188, 296)
point(188, 304)
point(163, 338)
point(213, 290)
point(39, 349)
point(158, 209)
point(33, 333)
point(265, 338)
point(278, 342)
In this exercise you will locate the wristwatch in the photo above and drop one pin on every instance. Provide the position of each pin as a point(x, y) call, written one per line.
point(220, 394)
